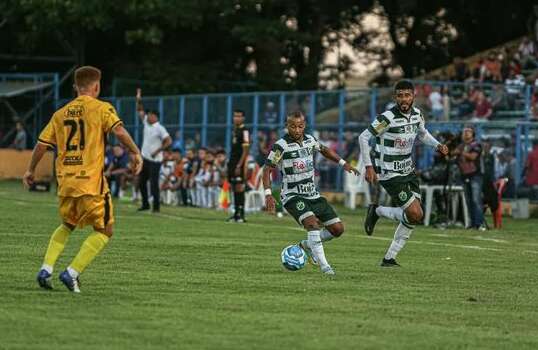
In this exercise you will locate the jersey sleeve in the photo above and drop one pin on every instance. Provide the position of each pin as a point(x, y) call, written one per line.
point(317, 144)
point(245, 138)
point(275, 156)
point(110, 118)
point(379, 125)
point(163, 133)
point(48, 135)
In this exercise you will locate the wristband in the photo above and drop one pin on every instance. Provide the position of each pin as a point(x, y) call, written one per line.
point(342, 162)
point(268, 192)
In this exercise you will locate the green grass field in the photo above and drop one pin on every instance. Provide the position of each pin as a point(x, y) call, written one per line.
point(184, 279)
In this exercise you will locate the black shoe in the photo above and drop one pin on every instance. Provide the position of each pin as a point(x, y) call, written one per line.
point(231, 219)
point(142, 208)
point(371, 219)
point(389, 263)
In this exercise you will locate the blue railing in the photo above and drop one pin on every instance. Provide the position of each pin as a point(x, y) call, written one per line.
point(206, 120)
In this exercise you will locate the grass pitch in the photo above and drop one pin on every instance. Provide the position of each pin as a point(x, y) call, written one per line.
point(185, 279)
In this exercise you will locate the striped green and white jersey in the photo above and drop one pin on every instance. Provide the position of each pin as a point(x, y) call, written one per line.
point(395, 134)
point(296, 164)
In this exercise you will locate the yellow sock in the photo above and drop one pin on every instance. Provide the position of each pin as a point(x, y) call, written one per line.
point(56, 245)
point(95, 242)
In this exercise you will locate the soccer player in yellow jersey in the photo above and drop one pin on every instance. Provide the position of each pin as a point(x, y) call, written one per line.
point(78, 131)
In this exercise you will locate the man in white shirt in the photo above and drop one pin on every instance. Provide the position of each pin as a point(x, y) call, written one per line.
point(156, 139)
point(436, 104)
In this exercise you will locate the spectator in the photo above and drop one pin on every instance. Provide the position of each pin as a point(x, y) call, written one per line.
point(492, 72)
point(436, 103)
point(156, 140)
point(117, 172)
point(20, 141)
point(531, 169)
point(177, 144)
point(506, 168)
point(468, 157)
point(527, 50)
point(483, 107)
point(513, 86)
point(270, 116)
point(461, 71)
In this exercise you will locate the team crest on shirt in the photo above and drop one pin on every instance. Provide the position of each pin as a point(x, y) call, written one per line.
point(402, 196)
point(300, 205)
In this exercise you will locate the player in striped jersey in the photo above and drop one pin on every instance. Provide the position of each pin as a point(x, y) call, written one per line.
point(293, 155)
point(395, 131)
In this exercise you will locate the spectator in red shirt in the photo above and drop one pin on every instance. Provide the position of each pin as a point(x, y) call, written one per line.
point(531, 168)
point(483, 107)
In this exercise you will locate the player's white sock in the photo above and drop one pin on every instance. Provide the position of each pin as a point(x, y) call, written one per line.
point(393, 213)
point(47, 268)
point(314, 242)
point(400, 237)
point(325, 235)
point(74, 273)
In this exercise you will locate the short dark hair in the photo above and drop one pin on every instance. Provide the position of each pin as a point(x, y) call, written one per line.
point(153, 111)
point(404, 84)
point(296, 114)
point(86, 75)
point(240, 111)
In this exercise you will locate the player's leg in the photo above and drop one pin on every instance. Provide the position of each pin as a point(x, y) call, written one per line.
point(333, 226)
point(143, 184)
point(99, 214)
point(56, 246)
point(399, 190)
point(303, 213)
point(240, 195)
point(58, 240)
point(412, 215)
point(155, 168)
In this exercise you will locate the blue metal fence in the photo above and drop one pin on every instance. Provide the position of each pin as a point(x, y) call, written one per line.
point(206, 120)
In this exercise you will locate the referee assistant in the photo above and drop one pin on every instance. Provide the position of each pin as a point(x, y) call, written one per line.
point(237, 165)
point(156, 139)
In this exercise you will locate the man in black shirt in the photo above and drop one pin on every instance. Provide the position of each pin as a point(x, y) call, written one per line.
point(237, 165)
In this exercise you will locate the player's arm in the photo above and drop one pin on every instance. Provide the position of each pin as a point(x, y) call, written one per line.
point(426, 138)
point(37, 155)
point(245, 147)
point(139, 106)
point(167, 141)
point(128, 142)
point(273, 160)
point(378, 127)
point(331, 155)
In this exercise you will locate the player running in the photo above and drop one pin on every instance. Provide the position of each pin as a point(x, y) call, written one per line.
point(78, 132)
point(293, 155)
point(395, 131)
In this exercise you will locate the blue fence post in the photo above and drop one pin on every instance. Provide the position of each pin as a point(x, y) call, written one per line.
point(373, 104)
point(281, 113)
point(518, 155)
point(182, 120)
point(56, 90)
point(527, 102)
point(255, 116)
point(341, 123)
point(117, 103)
point(312, 114)
point(161, 110)
point(229, 126)
point(204, 121)
point(136, 126)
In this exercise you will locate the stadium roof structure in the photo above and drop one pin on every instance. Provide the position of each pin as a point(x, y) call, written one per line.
point(13, 88)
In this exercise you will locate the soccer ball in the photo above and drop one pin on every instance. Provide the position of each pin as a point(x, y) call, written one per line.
point(293, 257)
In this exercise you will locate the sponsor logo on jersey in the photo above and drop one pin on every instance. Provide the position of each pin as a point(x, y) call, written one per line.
point(403, 143)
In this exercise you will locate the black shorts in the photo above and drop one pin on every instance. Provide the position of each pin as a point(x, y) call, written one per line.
point(232, 177)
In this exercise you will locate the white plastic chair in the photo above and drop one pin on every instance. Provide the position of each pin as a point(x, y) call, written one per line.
point(255, 198)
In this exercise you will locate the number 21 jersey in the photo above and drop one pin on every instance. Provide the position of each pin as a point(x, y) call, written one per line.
point(79, 131)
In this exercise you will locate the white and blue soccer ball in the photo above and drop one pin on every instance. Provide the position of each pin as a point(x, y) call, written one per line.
point(293, 257)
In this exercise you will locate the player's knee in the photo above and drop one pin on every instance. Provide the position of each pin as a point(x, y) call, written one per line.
point(336, 229)
point(414, 215)
point(311, 224)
